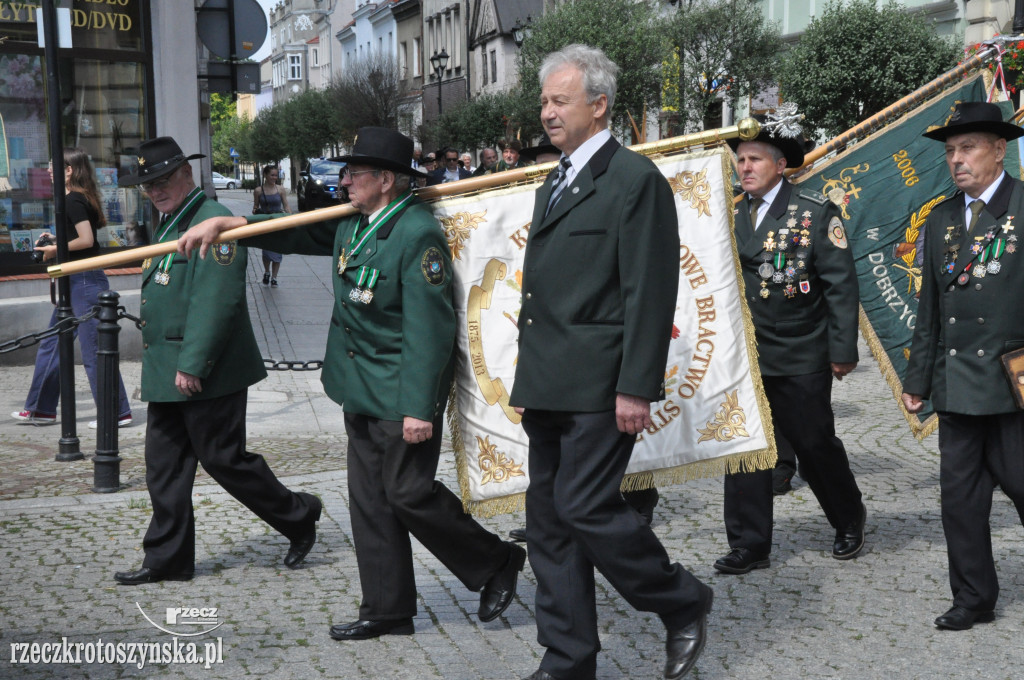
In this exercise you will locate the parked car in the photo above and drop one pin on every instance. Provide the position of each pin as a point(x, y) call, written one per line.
point(222, 182)
point(318, 184)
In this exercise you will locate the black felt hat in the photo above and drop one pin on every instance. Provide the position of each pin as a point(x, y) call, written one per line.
point(530, 153)
point(154, 159)
point(791, 147)
point(975, 117)
point(382, 148)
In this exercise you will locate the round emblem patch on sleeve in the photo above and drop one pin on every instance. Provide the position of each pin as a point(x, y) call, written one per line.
point(432, 266)
point(224, 253)
point(836, 233)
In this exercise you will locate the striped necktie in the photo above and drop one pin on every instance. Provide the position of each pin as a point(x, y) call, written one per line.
point(560, 183)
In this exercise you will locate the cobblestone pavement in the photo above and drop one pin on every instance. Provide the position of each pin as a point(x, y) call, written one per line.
point(808, 616)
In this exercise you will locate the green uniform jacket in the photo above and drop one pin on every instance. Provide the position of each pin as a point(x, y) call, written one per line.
point(803, 332)
point(962, 329)
point(390, 358)
point(199, 322)
point(600, 279)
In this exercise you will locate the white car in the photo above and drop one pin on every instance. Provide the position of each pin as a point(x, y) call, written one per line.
point(222, 182)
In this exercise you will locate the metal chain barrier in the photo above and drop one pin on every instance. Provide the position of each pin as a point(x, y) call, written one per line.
point(285, 365)
point(73, 322)
point(34, 338)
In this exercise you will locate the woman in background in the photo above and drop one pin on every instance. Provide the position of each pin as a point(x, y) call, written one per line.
point(83, 218)
point(269, 198)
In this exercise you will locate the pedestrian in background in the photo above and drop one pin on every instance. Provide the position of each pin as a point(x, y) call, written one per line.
point(270, 198)
point(83, 218)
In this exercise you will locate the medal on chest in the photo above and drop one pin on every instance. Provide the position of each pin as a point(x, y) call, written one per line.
point(785, 256)
point(365, 283)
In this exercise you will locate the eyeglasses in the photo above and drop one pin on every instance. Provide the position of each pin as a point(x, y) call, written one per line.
point(158, 185)
point(346, 173)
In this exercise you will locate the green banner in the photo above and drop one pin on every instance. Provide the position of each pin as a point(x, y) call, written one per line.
point(885, 187)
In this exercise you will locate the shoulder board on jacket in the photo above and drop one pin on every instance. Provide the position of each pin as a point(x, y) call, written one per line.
point(957, 196)
point(813, 196)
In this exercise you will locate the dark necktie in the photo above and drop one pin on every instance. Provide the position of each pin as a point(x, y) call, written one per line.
point(560, 183)
point(975, 207)
point(755, 206)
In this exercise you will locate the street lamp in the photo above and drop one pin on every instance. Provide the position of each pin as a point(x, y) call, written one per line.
point(439, 62)
point(522, 31)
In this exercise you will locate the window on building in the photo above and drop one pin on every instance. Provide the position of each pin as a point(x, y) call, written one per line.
point(416, 63)
point(316, 57)
point(494, 66)
point(403, 59)
point(483, 68)
point(294, 67)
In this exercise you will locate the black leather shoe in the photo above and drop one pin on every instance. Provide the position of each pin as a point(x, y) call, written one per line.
point(364, 630)
point(501, 588)
point(782, 480)
point(741, 561)
point(685, 644)
point(301, 546)
point(850, 540)
point(541, 675)
point(147, 575)
point(518, 535)
point(960, 618)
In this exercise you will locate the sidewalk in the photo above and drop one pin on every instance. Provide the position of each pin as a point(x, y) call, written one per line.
point(808, 616)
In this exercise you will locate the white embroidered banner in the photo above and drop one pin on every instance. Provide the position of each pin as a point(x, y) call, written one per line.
point(715, 415)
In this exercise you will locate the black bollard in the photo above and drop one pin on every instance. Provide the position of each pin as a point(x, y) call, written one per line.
point(106, 474)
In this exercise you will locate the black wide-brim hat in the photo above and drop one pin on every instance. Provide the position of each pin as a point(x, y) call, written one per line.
point(530, 153)
point(382, 148)
point(154, 159)
point(975, 117)
point(792, 148)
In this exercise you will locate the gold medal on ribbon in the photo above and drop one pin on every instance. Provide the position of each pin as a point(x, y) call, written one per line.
point(342, 262)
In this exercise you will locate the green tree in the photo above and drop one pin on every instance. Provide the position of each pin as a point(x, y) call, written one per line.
point(856, 59)
point(718, 51)
point(229, 134)
point(477, 123)
point(222, 109)
point(305, 126)
point(628, 31)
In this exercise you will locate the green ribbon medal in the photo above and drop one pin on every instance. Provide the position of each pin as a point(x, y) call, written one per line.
point(163, 275)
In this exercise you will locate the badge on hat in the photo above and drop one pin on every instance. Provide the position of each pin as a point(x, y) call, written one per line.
point(432, 266)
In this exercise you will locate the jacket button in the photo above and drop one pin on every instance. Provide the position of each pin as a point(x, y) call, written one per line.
point(951, 288)
point(143, 324)
point(529, 322)
point(952, 352)
point(145, 345)
point(980, 320)
point(952, 320)
point(143, 300)
point(977, 286)
point(351, 355)
point(209, 363)
point(348, 330)
point(529, 296)
point(981, 352)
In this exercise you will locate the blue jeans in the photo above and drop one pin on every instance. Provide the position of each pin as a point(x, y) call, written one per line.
point(44, 393)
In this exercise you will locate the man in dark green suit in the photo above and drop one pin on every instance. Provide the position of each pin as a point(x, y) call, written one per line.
point(199, 357)
point(599, 288)
point(972, 295)
point(801, 289)
point(389, 363)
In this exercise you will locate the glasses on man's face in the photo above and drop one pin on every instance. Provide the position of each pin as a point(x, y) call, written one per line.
point(452, 160)
point(158, 185)
point(348, 174)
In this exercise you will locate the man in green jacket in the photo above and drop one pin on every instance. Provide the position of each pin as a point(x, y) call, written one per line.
point(969, 315)
point(801, 288)
point(389, 364)
point(600, 278)
point(199, 357)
